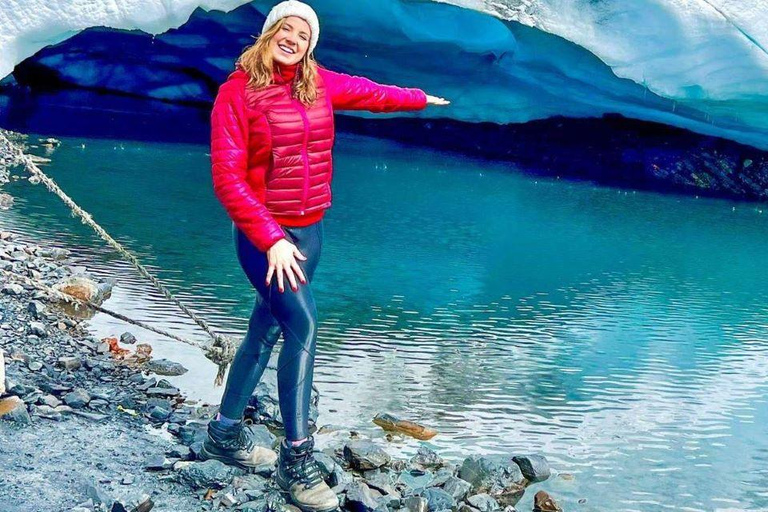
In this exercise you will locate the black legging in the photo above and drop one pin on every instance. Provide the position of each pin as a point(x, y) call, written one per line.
point(292, 313)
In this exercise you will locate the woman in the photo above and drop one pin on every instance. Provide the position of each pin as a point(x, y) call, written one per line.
point(272, 134)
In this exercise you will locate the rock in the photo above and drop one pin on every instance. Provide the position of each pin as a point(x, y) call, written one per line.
point(99, 497)
point(543, 502)
point(497, 476)
point(14, 409)
point(165, 367)
point(263, 406)
point(426, 458)
point(38, 329)
point(13, 289)
point(70, 363)
point(158, 391)
point(415, 479)
point(158, 462)
point(77, 399)
point(48, 412)
point(483, 502)
point(415, 504)
point(534, 467)
point(79, 287)
point(250, 483)
point(127, 338)
point(35, 365)
point(36, 309)
point(6, 201)
point(364, 455)
point(50, 401)
point(158, 413)
point(209, 474)
point(394, 424)
point(437, 499)
point(102, 348)
point(192, 432)
point(91, 415)
point(457, 487)
point(361, 498)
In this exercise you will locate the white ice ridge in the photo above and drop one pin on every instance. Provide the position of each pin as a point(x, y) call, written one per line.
point(27, 26)
point(709, 53)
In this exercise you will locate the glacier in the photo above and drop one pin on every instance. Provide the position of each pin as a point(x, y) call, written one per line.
point(696, 64)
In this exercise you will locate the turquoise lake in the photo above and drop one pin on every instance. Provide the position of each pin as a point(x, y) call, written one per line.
point(622, 334)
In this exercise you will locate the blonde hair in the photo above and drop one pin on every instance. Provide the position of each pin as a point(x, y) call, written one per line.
point(257, 61)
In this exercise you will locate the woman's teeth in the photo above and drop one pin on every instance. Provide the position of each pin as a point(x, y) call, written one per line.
point(286, 49)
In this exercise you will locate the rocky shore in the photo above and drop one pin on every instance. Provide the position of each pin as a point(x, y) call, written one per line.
point(92, 424)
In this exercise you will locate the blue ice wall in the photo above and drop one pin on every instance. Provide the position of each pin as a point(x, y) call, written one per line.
point(491, 70)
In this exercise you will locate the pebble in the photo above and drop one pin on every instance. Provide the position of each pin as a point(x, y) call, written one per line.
point(38, 329)
point(70, 363)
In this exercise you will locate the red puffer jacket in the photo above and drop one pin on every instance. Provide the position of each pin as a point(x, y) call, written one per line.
point(271, 156)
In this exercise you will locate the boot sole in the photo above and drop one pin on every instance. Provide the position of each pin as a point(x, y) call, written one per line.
point(206, 455)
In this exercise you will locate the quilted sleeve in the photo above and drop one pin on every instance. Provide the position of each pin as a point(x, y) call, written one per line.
point(229, 165)
point(349, 92)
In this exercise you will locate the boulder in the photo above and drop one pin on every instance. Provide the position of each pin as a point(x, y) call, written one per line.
point(13, 409)
point(543, 502)
point(209, 474)
point(534, 467)
point(483, 502)
point(364, 455)
point(498, 476)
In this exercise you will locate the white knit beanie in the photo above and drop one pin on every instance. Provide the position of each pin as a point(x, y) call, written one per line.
point(295, 8)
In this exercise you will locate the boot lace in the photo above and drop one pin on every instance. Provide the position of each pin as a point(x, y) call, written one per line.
point(303, 468)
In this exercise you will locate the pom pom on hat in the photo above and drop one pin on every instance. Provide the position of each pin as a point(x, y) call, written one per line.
point(295, 8)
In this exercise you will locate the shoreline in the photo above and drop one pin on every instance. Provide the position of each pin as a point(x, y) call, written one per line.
point(64, 389)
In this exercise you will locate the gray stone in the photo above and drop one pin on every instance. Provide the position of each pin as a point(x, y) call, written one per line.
point(483, 502)
point(36, 309)
point(165, 367)
point(534, 467)
point(361, 498)
point(158, 391)
point(50, 401)
point(13, 289)
point(496, 475)
point(38, 329)
point(77, 399)
point(426, 458)
point(209, 474)
point(127, 338)
point(437, 499)
point(35, 365)
point(192, 432)
point(415, 504)
point(457, 487)
point(70, 363)
point(363, 455)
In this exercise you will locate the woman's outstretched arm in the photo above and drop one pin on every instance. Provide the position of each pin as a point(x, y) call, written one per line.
point(349, 92)
point(229, 166)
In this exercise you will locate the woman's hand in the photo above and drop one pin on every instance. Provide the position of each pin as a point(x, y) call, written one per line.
point(282, 258)
point(435, 100)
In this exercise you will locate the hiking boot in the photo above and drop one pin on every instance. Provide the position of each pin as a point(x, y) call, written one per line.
point(235, 445)
point(299, 474)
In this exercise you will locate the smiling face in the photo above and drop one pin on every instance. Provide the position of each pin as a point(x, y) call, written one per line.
point(290, 43)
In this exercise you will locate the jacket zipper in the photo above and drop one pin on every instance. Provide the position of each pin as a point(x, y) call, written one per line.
point(305, 158)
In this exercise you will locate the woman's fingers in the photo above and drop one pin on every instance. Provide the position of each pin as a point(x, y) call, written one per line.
point(270, 272)
point(297, 253)
point(280, 286)
point(291, 278)
point(299, 273)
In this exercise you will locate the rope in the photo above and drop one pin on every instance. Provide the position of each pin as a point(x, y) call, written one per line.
point(221, 351)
